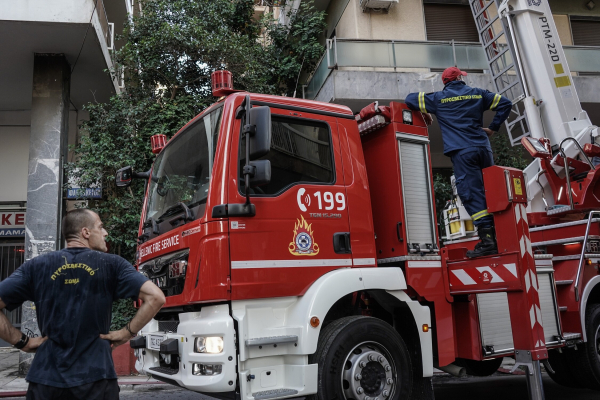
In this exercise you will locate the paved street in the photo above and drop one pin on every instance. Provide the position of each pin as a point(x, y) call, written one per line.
point(500, 386)
point(497, 387)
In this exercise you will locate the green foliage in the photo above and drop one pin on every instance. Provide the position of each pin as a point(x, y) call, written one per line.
point(295, 47)
point(507, 155)
point(168, 59)
point(442, 189)
point(122, 312)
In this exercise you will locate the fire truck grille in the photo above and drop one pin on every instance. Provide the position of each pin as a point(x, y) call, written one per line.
point(168, 326)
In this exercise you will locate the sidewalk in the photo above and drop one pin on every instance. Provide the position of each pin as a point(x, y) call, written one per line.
point(11, 385)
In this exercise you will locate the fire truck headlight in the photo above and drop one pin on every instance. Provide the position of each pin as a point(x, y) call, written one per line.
point(210, 345)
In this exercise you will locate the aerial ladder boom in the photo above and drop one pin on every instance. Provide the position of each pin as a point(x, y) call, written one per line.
point(528, 65)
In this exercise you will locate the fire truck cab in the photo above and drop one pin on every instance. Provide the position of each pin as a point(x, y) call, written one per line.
point(299, 254)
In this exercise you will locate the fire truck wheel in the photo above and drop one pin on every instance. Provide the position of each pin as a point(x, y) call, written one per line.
point(563, 375)
point(585, 361)
point(360, 358)
point(480, 368)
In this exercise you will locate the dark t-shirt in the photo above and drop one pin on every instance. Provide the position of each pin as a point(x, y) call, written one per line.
point(73, 290)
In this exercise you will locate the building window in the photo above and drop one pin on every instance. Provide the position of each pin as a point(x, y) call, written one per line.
point(300, 153)
point(586, 31)
point(445, 22)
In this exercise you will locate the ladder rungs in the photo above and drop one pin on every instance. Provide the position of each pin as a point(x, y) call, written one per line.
point(517, 140)
point(483, 9)
point(503, 71)
point(493, 40)
point(515, 121)
point(498, 55)
point(486, 26)
point(506, 89)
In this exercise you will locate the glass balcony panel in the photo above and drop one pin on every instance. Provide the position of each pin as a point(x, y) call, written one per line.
point(475, 57)
point(436, 56)
point(583, 59)
point(317, 80)
point(423, 55)
point(365, 54)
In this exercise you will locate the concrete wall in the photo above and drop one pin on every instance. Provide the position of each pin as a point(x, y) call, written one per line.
point(405, 21)
point(14, 156)
point(563, 26)
point(573, 7)
point(71, 11)
point(14, 150)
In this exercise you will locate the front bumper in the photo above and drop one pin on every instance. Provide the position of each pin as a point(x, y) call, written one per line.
point(210, 321)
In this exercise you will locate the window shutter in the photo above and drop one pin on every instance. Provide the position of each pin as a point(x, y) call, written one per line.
point(585, 32)
point(449, 21)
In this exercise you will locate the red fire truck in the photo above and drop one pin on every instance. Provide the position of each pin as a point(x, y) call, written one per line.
point(298, 249)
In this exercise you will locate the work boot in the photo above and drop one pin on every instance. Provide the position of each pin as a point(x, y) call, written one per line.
point(487, 246)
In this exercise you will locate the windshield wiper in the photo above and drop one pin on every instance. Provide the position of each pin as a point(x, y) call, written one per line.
point(155, 229)
point(188, 216)
point(150, 222)
point(194, 204)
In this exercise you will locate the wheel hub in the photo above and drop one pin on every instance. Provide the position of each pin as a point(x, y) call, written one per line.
point(369, 373)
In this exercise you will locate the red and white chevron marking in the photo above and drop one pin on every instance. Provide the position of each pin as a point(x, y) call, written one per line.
point(530, 276)
point(485, 274)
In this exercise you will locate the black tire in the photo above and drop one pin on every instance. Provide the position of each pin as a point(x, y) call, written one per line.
point(585, 361)
point(562, 371)
point(348, 341)
point(480, 368)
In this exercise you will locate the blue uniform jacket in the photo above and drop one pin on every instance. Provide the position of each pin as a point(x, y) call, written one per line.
point(459, 110)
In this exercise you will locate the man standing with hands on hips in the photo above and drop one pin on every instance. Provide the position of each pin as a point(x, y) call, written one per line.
point(73, 290)
point(459, 110)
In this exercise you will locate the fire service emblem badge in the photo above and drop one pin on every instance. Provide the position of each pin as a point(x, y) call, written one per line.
point(303, 243)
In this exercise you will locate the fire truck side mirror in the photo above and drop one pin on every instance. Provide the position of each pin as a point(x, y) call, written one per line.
point(260, 141)
point(261, 173)
point(124, 176)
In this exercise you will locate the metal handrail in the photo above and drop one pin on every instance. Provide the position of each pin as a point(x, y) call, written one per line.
point(566, 164)
point(585, 238)
point(537, 179)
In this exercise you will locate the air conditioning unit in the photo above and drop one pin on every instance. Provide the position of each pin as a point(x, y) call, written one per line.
point(376, 5)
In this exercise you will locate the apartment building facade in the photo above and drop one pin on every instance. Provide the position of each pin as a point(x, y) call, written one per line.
point(56, 54)
point(382, 50)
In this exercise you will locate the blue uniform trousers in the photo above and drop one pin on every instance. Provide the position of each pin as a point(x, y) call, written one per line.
point(468, 164)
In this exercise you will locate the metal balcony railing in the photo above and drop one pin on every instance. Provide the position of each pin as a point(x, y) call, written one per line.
point(107, 27)
point(422, 54)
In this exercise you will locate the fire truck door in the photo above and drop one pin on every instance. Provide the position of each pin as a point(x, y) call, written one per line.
point(301, 229)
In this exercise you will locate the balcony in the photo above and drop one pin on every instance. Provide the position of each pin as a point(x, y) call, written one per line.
point(395, 56)
point(82, 30)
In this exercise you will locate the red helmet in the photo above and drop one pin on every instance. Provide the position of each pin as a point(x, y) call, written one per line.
point(451, 74)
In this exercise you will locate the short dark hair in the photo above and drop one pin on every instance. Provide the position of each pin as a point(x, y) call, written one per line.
point(75, 220)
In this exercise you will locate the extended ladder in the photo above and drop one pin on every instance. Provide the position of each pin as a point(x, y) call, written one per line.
point(498, 45)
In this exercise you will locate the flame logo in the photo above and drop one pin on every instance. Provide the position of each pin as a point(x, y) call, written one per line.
point(303, 243)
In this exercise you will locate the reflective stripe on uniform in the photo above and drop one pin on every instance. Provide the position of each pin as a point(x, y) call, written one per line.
point(497, 98)
point(422, 102)
point(480, 214)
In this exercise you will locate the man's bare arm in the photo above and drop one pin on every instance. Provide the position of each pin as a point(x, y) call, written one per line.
point(152, 300)
point(12, 335)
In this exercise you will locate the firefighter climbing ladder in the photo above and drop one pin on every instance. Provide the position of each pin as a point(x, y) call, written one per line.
point(496, 33)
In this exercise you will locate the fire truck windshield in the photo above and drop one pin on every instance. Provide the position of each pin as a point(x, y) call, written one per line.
point(181, 172)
